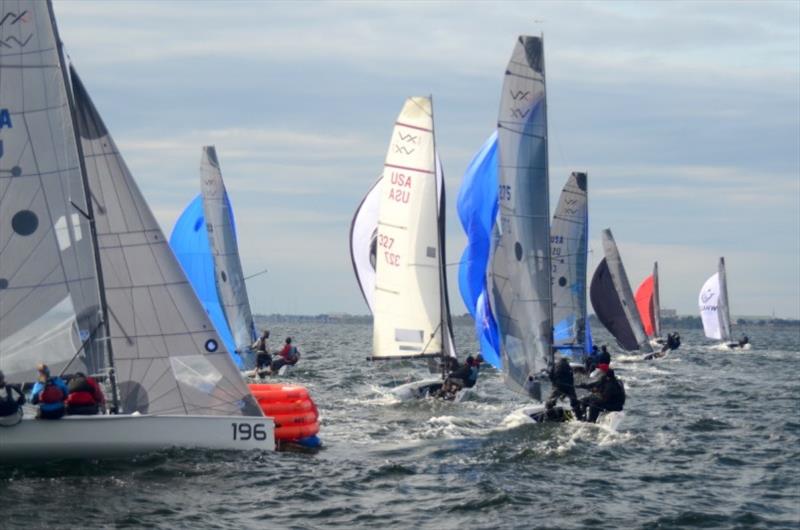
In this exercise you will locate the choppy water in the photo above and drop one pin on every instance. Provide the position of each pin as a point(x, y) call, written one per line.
point(711, 439)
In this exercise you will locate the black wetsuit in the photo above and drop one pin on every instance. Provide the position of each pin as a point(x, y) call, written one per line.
point(563, 386)
point(8, 404)
point(608, 393)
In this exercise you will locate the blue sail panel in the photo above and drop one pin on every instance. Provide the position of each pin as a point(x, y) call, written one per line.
point(189, 243)
point(477, 210)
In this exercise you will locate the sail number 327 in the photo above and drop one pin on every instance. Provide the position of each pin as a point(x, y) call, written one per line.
point(246, 431)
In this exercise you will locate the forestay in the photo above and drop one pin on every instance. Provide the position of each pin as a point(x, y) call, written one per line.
point(520, 268)
point(613, 300)
point(410, 306)
point(713, 302)
point(49, 296)
point(167, 355)
point(229, 277)
point(569, 246)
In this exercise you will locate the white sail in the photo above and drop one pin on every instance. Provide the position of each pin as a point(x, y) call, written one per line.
point(228, 276)
point(569, 243)
point(521, 266)
point(713, 303)
point(47, 267)
point(408, 302)
point(167, 356)
point(364, 242)
point(624, 291)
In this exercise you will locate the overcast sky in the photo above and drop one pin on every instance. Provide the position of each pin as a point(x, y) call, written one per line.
point(685, 114)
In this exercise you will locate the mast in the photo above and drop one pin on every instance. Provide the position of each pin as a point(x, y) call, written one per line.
point(549, 260)
point(89, 213)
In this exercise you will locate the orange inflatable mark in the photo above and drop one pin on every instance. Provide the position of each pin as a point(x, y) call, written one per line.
point(291, 408)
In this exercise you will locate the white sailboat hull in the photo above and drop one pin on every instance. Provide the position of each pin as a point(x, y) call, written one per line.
point(118, 436)
point(417, 389)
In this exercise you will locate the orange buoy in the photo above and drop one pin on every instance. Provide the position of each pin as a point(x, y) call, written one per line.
point(291, 408)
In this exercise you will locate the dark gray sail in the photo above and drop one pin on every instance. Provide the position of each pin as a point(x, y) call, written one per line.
point(519, 272)
point(167, 355)
point(228, 276)
point(49, 299)
point(621, 301)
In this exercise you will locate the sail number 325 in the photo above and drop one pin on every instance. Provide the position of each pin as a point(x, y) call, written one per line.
point(246, 431)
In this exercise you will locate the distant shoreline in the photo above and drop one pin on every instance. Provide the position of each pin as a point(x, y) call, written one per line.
point(679, 322)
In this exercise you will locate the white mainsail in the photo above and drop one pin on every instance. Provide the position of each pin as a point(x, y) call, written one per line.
point(409, 310)
point(520, 269)
point(167, 356)
point(569, 243)
point(48, 277)
point(713, 303)
point(228, 276)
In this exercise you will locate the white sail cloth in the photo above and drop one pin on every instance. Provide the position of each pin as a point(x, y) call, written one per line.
point(228, 276)
point(409, 313)
point(713, 303)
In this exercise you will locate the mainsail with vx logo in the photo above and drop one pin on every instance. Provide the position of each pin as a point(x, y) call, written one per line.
point(713, 304)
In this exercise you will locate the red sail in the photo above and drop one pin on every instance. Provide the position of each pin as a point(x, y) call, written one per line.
point(644, 302)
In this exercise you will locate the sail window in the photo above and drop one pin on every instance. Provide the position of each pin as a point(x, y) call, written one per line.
point(16, 171)
point(62, 234)
point(196, 371)
point(211, 345)
point(224, 276)
point(24, 222)
point(77, 233)
point(562, 281)
point(518, 251)
point(408, 335)
point(431, 252)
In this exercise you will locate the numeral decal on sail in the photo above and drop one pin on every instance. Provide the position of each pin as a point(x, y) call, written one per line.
point(504, 192)
point(392, 258)
point(245, 431)
point(385, 241)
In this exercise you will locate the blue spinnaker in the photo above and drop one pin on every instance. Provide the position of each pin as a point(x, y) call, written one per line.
point(477, 209)
point(189, 242)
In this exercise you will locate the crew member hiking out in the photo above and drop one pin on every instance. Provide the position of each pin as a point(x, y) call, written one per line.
point(608, 394)
point(465, 376)
point(288, 355)
point(49, 393)
point(85, 396)
point(10, 406)
point(563, 387)
point(263, 358)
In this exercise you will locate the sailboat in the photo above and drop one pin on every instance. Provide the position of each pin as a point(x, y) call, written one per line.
point(80, 246)
point(613, 302)
point(519, 271)
point(397, 248)
point(714, 309)
point(204, 241)
point(569, 250)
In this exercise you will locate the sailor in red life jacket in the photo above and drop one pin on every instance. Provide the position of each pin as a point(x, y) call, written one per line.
point(85, 396)
point(49, 393)
point(288, 355)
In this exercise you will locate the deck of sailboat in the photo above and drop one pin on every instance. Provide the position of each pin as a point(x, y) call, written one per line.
point(125, 435)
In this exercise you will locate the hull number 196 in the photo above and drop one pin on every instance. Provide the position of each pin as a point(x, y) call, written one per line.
point(246, 431)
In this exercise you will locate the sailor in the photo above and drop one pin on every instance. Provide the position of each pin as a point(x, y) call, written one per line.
point(10, 407)
point(288, 355)
point(608, 393)
point(85, 396)
point(49, 393)
point(744, 340)
point(263, 358)
point(563, 386)
point(464, 376)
